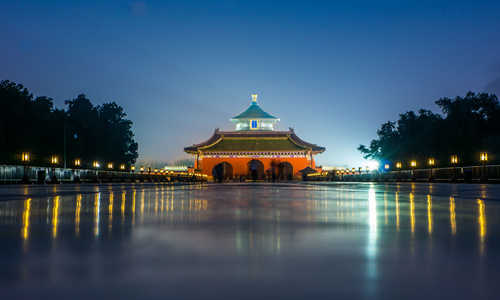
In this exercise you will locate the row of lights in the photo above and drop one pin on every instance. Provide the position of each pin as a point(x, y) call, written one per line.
point(483, 157)
point(25, 157)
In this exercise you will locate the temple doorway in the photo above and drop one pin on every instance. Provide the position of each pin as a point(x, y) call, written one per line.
point(285, 171)
point(255, 170)
point(223, 171)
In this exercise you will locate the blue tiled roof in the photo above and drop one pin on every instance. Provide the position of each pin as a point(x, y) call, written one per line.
point(254, 112)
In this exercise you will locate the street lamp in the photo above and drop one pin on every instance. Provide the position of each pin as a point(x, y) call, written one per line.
point(149, 174)
point(141, 169)
point(413, 164)
point(122, 167)
point(78, 163)
point(484, 158)
point(55, 161)
point(431, 164)
point(398, 166)
point(25, 158)
point(454, 161)
point(110, 168)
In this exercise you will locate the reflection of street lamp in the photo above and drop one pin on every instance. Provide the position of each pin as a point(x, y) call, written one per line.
point(484, 158)
point(431, 164)
point(78, 163)
point(454, 161)
point(25, 158)
point(413, 164)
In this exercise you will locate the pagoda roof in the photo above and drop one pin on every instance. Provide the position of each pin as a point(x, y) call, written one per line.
point(254, 141)
point(254, 112)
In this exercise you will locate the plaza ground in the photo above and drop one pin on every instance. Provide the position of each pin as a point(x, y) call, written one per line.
point(295, 240)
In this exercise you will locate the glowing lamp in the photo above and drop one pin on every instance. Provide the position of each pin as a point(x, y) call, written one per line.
point(110, 166)
point(484, 156)
point(95, 164)
point(132, 168)
point(78, 162)
point(122, 167)
point(387, 166)
point(454, 159)
point(25, 157)
point(54, 159)
point(141, 169)
point(413, 163)
point(431, 161)
point(398, 165)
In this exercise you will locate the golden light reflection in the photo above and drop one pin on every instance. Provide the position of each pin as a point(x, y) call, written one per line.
point(122, 208)
point(97, 203)
point(397, 211)
point(26, 218)
point(55, 216)
point(453, 221)
point(412, 212)
point(142, 207)
point(133, 208)
point(110, 212)
point(78, 209)
point(429, 212)
point(482, 222)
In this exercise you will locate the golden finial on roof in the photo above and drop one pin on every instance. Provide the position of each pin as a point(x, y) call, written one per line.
point(254, 97)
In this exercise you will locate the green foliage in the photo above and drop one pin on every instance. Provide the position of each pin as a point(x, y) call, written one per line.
point(184, 162)
point(468, 125)
point(89, 132)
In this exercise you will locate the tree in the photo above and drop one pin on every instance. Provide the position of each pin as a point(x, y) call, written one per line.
point(468, 125)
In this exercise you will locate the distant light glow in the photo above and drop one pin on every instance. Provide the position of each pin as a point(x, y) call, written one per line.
point(372, 165)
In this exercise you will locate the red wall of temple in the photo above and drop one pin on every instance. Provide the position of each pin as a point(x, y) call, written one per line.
point(240, 164)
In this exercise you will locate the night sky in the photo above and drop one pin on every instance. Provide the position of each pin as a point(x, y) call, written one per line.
point(332, 70)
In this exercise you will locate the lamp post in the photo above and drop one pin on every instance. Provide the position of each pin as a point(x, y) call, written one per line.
point(161, 174)
point(110, 168)
point(95, 164)
point(413, 164)
point(149, 174)
point(55, 161)
point(142, 171)
point(25, 158)
point(431, 164)
point(484, 158)
point(78, 163)
point(386, 168)
point(454, 161)
point(398, 166)
point(156, 171)
point(132, 169)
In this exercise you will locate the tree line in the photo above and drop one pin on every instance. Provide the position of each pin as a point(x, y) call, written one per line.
point(466, 127)
point(85, 131)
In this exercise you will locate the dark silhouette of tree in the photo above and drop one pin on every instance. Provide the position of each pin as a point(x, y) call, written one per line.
point(468, 126)
point(87, 132)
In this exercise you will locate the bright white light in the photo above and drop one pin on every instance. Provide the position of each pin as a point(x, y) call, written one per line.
point(373, 165)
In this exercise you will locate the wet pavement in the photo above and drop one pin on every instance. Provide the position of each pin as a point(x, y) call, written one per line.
point(250, 241)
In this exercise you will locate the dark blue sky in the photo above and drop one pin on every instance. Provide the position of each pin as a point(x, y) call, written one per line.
point(333, 70)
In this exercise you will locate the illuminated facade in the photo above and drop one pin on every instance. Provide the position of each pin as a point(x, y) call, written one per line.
point(254, 143)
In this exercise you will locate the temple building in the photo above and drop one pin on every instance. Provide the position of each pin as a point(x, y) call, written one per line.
point(254, 148)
